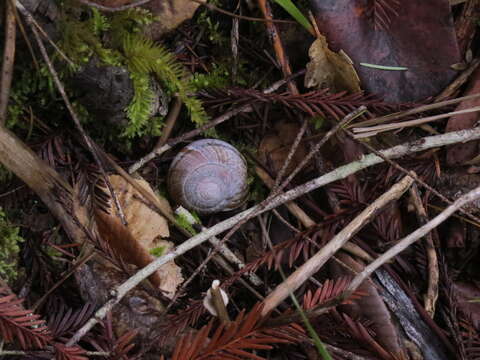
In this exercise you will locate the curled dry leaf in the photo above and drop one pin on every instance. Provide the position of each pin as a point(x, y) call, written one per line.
point(328, 69)
point(274, 147)
point(143, 234)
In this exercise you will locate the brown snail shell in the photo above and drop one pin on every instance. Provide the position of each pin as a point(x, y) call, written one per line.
point(208, 176)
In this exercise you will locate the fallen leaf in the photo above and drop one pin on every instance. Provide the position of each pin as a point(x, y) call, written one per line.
point(168, 13)
point(420, 36)
point(145, 231)
point(328, 69)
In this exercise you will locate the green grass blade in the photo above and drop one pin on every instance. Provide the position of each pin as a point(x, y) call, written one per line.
point(322, 351)
point(383, 67)
point(294, 12)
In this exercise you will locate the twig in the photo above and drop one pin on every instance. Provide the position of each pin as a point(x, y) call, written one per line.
point(431, 297)
point(8, 59)
point(52, 43)
point(225, 12)
point(113, 9)
point(224, 117)
point(289, 157)
point(413, 237)
point(352, 248)
point(280, 188)
point(337, 174)
point(291, 206)
point(26, 38)
point(169, 122)
point(75, 266)
point(76, 120)
point(312, 265)
point(277, 44)
point(224, 250)
point(413, 175)
point(459, 81)
point(218, 303)
point(30, 353)
point(363, 132)
point(419, 109)
point(341, 124)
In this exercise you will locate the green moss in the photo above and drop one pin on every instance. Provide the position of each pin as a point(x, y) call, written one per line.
point(118, 41)
point(33, 88)
point(9, 248)
point(183, 222)
point(158, 251)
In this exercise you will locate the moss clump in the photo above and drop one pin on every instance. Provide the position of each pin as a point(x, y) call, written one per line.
point(118, 40)
point(183, 222)
point(9, 248)
point(158, 251)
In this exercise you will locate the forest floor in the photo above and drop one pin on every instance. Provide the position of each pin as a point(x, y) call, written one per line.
point(257, 179)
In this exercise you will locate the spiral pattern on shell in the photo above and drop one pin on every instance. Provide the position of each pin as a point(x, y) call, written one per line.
point(208, 176)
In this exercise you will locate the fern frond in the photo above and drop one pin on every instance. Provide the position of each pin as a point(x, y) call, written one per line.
point(360, 332)
point(99, 23)
point(117, 347)
point(65, 321)
point(63, 352)
point(329, 290)
point(235, 339)
point(145, 57)
point(383, 11)
point(140, 108)
point(20, 324)
point(318, 102)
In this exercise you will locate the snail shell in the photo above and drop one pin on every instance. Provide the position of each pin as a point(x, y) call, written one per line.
point(208, 176)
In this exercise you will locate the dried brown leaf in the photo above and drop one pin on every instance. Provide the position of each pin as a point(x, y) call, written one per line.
point(331, 70)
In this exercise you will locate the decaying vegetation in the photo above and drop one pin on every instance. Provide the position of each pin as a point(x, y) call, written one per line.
point(358, 121)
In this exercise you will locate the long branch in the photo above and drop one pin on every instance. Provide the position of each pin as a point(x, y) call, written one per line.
point(312, 265)
point(337, 174)
point(381, 260)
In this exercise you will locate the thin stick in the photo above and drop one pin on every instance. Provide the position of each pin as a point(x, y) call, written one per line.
point(419, 109)
point(265, 202)
point(313, 265)
point(169, 122)
point(277, 44)
point(288, 160)
point(217, 300)
point(431, 297)
point(225, 12)
point(413, 237)
point(224, 249)
point(337, 174)
point(294, 209)
point(113, 9)
point(8, 60)
point(224, 117)
point(459, 81)
point(374, 130)
point(76, 120)
point(412, 174)
point(346, 120)
point(77, 264)
point(30, 353)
